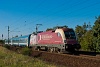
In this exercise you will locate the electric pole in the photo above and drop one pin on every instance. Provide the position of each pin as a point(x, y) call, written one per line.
point(8, 35)
point(37, 27)
point(2, 36)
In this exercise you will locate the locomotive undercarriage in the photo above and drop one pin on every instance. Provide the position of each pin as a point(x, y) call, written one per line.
point(50, 48)
point(72, 47)
point(62, 48)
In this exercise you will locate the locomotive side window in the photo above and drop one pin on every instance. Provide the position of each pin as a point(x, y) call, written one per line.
point(70, 34)
point(58, 34)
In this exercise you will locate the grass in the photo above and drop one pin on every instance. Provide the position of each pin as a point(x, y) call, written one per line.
point(11, 59)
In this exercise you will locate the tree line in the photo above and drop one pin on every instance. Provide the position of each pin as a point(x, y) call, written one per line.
point(89, 36)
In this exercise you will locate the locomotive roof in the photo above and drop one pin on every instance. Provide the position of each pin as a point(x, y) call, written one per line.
point(67, 29)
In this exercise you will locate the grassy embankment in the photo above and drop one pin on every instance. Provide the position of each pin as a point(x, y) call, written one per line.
point(11, 59)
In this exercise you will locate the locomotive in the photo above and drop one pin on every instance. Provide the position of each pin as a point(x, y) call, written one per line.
point(58, 40)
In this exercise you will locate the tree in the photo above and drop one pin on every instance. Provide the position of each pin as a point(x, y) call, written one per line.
point(96, 34)
point(80, 31)
point(85, 36)
point(1, 41)
point(87, 41)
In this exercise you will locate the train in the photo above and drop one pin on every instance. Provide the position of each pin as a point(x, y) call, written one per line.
point(57, 40)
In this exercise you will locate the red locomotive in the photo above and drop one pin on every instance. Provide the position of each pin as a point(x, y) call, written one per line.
point(61, 39)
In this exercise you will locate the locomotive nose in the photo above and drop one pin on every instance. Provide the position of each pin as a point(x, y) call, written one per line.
point(71, 41)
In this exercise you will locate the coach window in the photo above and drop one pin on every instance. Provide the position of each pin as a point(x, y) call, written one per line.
point(58, 34)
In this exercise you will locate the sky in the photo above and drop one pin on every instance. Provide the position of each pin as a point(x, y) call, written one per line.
point(22, 15)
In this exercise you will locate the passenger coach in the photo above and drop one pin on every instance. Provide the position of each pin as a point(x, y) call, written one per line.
point(19, 41)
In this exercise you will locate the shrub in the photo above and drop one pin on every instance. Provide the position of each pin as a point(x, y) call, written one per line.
point(1, 41)
point(26, 51)
point(6, 46)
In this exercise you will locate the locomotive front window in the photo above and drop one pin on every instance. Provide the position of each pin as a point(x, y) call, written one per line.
point(70, 34)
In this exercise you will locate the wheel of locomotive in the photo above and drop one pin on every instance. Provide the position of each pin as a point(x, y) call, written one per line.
point(51, 50)
point(57, 50)
point(46, 48)
point(60, 51)
point(38, 48)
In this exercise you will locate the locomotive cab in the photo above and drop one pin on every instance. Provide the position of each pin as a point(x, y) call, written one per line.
point(71, 42)
point(69, 39)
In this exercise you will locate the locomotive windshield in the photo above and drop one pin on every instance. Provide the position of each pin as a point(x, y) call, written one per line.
point(70, 34)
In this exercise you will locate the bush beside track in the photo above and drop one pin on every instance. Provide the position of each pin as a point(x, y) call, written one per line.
point(11, 59)
point(62, 59)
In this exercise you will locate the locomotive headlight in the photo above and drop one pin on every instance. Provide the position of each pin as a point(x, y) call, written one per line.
point(66, 47)
point(65, 41)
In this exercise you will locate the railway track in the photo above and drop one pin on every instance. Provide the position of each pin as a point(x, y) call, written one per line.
point(77, 53)
point(83, 59)
point(68, 60)
point(88, 53)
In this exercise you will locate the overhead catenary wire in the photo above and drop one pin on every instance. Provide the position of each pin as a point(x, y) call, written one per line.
point(24, 17)
point(55, 12)
point(80, 8)
point(17, 21)
point(45, 17)
point(90, 12)
point(31, 11)
point(59, 11)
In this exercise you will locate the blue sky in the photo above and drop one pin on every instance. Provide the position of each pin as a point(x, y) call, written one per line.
point(23, 15)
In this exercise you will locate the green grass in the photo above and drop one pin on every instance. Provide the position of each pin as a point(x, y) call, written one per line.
point(11, 59)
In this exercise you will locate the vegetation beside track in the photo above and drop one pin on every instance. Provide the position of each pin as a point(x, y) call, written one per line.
point(89, 36)
point(11, 59)
point(62, 59)
point(1, 42)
